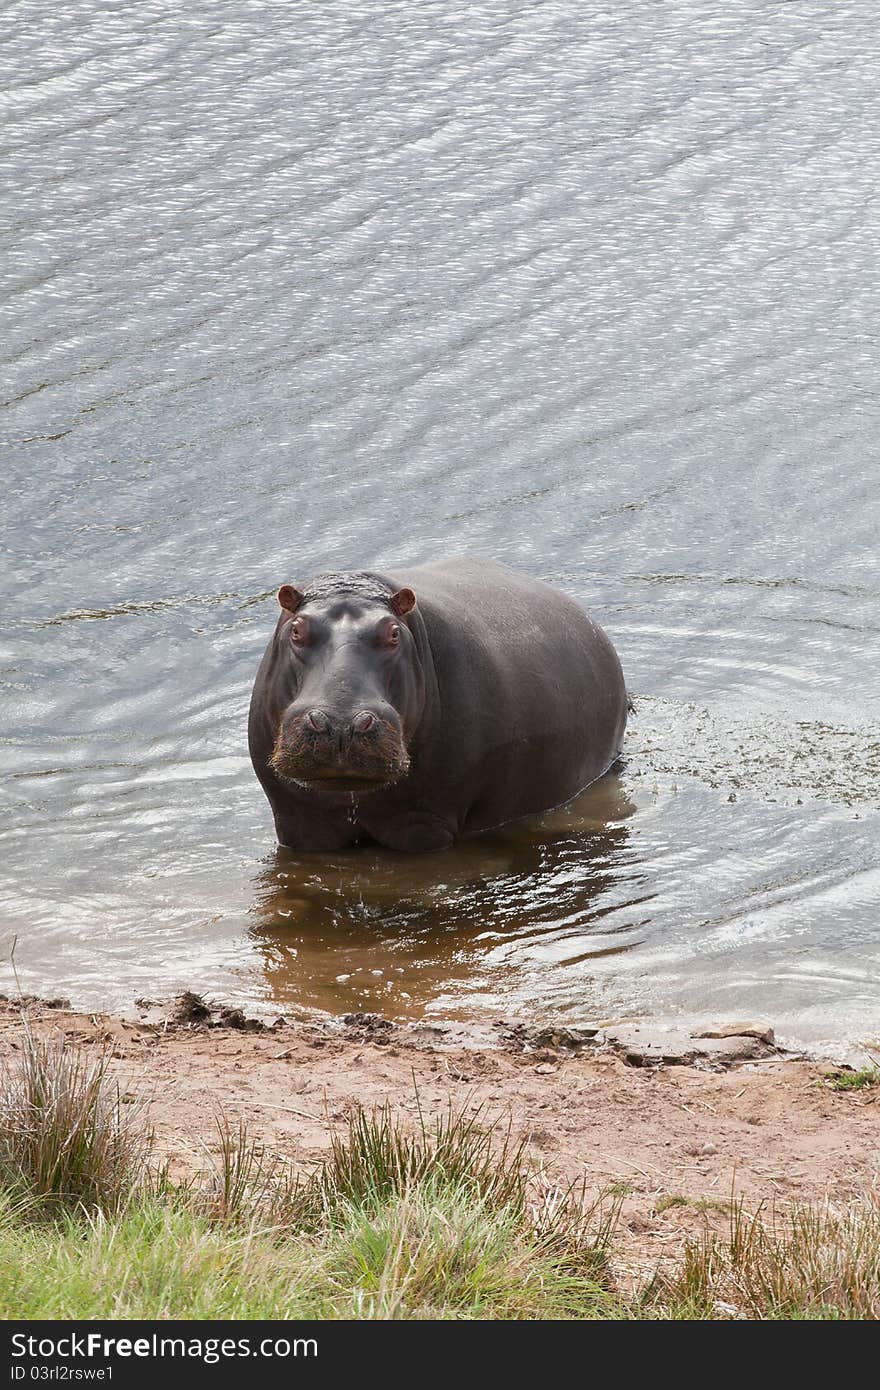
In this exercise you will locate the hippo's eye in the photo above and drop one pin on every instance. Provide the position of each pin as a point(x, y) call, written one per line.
point(299, 631)
point(387, 635)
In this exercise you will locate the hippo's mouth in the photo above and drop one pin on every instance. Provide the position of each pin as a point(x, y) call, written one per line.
point(374, 769)
point(342, 780)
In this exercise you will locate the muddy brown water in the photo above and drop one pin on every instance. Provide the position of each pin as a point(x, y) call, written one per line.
point(593, 291)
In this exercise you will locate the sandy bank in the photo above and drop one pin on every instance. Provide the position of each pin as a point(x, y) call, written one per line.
point(765, 1126)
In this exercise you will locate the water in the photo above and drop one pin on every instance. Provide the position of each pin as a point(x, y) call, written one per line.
point(593, 291)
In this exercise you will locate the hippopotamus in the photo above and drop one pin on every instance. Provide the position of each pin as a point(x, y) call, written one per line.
point(413, 708)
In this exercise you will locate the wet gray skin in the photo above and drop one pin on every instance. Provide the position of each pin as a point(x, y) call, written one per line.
point(448, 700)
point(592, 291)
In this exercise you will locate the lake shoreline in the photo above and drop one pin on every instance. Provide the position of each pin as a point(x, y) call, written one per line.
point(677, 1142)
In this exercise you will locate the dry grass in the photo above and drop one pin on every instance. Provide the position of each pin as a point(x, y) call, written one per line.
point(67, 1139)
point(806, 1263)
point(244, 1179)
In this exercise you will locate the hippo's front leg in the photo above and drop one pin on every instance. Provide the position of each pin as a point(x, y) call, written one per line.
point(414, 832)
point(315, 833)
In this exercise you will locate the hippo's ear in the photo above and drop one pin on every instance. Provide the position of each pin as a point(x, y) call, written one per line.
point(404, 601)
point(289, 597)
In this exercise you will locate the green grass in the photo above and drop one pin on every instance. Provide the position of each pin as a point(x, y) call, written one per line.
point(425, 1254)
point(673, 1199)
point(861, 1080)
point(702, 1204)
point(439, 1221)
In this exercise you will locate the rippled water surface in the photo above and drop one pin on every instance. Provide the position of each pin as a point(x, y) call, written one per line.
point(592, 290)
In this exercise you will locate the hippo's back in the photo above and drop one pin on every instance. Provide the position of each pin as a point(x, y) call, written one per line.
point(531, 700)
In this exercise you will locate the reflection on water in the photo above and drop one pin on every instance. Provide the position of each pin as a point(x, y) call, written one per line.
point(374, 930)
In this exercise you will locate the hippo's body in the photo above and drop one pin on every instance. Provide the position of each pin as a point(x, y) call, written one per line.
point(415, 708)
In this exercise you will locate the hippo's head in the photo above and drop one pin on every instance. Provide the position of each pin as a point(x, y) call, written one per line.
point(351, 688)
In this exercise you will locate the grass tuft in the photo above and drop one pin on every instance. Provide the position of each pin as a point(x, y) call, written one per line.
point(701, 1204)
point(376, 1159)
point(67, 1138)
point(861, 1080)
point(246, 1182)
point(810, 1263)
point(672, 1199)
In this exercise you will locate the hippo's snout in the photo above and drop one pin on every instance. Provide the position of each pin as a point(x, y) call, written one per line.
point(351, 751)
point(323, 723)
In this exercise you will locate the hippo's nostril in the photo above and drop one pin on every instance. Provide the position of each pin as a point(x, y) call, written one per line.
point(318, 720)
point(363, 721)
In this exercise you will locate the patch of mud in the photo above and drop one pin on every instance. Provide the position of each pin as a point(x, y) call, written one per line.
point(645, 1045)
point(23, 1000)
point(715, 1049)
point(369, 1026)
point(519, 1037)
point(190, 1008)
